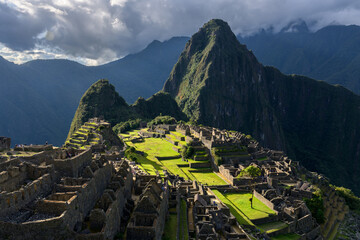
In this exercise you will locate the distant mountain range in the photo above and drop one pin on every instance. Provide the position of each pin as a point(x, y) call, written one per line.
point(219, 83)
point(331, 54)
point(38, 99)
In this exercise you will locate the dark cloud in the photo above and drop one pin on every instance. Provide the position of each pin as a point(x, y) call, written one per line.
point(18, 29)
point(106, 29)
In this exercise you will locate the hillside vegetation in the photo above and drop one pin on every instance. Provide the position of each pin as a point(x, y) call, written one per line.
point(218, 82)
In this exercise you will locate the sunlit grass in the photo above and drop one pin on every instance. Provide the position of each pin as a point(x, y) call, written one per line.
point(241, 201)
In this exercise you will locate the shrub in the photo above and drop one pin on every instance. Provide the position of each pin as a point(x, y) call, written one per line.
point(162, 120)
point(187, 151)
point(250, 171)
point(316, 207)
point(351, 200)
point(217, 159)
point(127, 126)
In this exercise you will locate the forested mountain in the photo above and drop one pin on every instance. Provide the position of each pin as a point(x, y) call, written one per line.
point(218, 82)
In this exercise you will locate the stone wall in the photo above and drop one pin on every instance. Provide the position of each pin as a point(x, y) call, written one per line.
point(5, 143)
point(34, 148)
point(11, 202)
point(73, 166)
point(264, 200)
point(74, 205)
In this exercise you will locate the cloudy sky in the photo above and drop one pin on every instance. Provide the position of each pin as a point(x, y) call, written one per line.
point(98, 31)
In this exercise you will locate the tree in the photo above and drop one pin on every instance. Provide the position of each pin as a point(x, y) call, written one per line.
point(253, 172)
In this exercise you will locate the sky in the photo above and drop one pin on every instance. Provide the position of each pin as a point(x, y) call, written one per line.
point(95, 32)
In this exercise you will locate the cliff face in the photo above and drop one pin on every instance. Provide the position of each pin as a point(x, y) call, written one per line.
point(218, 82)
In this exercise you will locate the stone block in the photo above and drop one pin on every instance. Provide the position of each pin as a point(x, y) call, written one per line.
point(13, 171)
point(97, 219)
point(4, 176)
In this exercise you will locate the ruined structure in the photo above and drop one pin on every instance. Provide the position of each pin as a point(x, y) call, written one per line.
point(148, 218)
point(5, 143)
point(85, 192)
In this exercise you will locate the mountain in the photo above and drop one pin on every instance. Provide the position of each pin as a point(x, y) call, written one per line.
point(218, 82)
point(331, 54)
point(101, 100)
point(38, 99)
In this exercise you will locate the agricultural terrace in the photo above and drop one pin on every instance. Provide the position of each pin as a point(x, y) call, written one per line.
point(159, 155)
point(240, 207)
point(241, 200)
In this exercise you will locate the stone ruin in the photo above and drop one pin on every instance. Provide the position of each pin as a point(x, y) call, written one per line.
point(149, 215)
point(69, 193)
point(51, 195)
point(5, 143)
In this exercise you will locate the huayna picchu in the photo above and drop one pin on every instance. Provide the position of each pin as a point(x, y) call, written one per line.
point(219, 83)
point(185, 163)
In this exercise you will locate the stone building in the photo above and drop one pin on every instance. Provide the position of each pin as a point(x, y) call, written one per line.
point(5, 143)
point(148, 218)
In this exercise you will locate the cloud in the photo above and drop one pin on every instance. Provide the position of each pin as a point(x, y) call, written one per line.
point(99, 31)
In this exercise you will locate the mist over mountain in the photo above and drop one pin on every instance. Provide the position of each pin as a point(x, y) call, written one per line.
point(38, 99)
point(331, 54)
point(218, 82)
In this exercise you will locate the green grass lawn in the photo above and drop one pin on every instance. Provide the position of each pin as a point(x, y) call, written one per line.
point(272, 226)
point(240, 217)
point(153, 147)
point(183, 221)
point(156, 147)
point(177, 134)
point(209, 178)
point(241, 201)
point(289, 236)
point(149, 166)
point(173, 137)
point(170, 227)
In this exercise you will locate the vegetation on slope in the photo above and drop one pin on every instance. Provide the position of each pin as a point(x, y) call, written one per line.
point(162, 120)
point(131, 124)
point(316, 207)
point(101, 100)
point(219, 83)
point(351, 200)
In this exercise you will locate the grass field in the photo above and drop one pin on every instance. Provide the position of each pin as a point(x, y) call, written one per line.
point(240, 217)
point(170, 227)
point(272, 226)
point(148, 165)
point(241, 201)
point(129, 134)
point(183, 221)
point(208, 178)
point(156, 147)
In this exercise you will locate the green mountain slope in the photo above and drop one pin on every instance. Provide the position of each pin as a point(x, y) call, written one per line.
point(101, 100)
point(218, 82)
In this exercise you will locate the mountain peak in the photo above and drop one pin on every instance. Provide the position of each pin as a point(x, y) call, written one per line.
point(215, 33)
point(100, 100)
point(214, 75)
